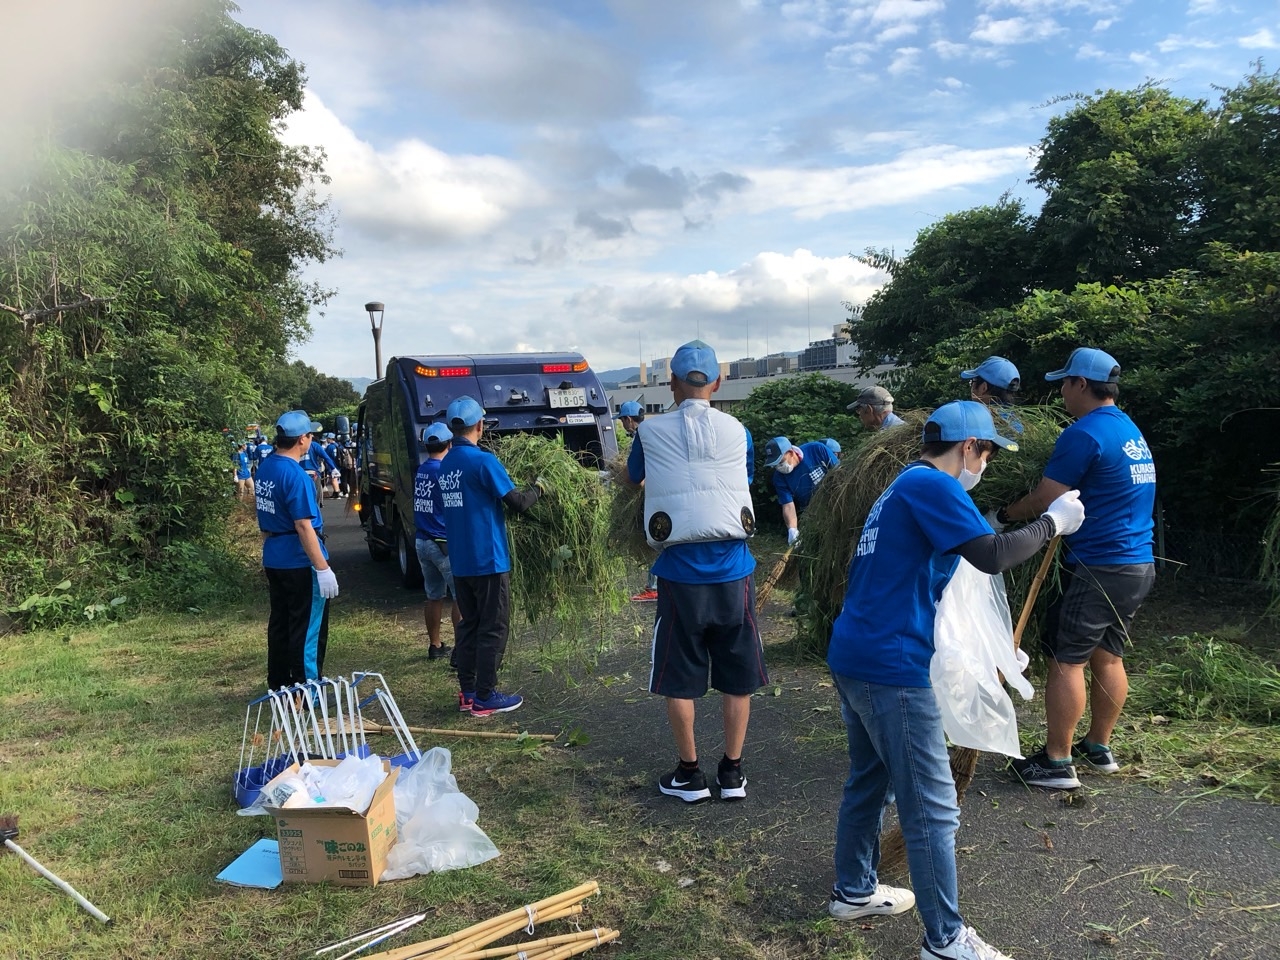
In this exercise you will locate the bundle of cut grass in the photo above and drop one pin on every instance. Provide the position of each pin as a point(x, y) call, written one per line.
point(561, 565)
point(830, 527)
point(1200, 677)
point(626, 515)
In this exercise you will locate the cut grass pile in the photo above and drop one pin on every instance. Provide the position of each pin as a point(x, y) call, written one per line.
point(1198, 677)
point(830, 527)
point(561, 563)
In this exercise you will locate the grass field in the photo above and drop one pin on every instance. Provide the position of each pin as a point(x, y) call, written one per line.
point(119, 742)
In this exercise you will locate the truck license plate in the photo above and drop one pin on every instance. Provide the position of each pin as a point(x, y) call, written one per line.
point(561, 399)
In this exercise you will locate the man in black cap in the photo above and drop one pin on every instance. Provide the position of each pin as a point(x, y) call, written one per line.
point(874, 407)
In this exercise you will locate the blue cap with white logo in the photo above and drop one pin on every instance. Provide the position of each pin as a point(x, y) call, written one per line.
point(295, 423)
point(996, 371)
point(1090, 363)
point(695, 363)
point(464, 412)
point(962, 419)
point(630, 409)
point(775, 450)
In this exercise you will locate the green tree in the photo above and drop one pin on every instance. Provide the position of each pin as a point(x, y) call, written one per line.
point(960, 267)
point(1121, 194)
point(150, 259)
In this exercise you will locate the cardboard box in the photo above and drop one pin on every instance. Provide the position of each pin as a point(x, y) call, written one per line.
point(336, 844)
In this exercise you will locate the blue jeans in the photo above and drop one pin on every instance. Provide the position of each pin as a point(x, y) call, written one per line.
point(896, 743)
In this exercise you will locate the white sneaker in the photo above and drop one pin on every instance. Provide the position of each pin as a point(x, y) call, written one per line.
point(885, 902)
point(967, 946)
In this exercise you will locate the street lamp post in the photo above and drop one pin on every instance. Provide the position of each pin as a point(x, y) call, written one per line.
point(375, 324)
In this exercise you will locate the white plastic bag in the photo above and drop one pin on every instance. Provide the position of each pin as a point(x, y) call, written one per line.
point(973, 645)
point(352, 783)
point(436, 822)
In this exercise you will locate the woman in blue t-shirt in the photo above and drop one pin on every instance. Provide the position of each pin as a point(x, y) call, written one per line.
point(881, 646)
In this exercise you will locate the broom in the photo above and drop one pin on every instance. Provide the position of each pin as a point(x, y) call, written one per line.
point(964, 760)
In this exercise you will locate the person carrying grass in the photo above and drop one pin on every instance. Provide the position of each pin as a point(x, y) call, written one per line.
point(474, 486)
point(879, 655)
point(695, 463)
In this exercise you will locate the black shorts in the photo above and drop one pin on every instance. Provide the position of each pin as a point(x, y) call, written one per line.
point(706, 625)
point(1095, 610)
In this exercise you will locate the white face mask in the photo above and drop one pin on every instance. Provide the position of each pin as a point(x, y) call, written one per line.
point(784, 467)
point(969, 479)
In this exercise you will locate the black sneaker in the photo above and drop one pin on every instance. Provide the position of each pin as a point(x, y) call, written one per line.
point(438, 653)
point(732, 784)
point(1038, 770)
point(687, 785)
point(1095, 757)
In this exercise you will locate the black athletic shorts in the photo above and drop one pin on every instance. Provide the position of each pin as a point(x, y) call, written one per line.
point(1095, 610)
point(706, 627)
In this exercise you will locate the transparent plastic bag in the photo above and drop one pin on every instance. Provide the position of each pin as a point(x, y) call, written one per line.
point(973, 645)
point(435, 821)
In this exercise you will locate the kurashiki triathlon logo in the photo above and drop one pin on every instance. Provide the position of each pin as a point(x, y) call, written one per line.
point(1137, 449)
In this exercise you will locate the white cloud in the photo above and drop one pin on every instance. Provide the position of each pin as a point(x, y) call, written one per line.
point(1014, 30)
point(1088, 51)
point(890, 34)
point(896, 11)
point(947, 49)
point(1174, 43)
point(905, 60)
point(1055, 6)
point(952, 83)
point(812, 194)
point(1102, 25)
point(411, 189)
point(1263, 39)
point(1200, 7)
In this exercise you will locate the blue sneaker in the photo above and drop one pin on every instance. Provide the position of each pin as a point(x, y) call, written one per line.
point(496, 703)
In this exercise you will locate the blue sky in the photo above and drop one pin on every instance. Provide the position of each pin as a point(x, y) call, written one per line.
point(618, 176)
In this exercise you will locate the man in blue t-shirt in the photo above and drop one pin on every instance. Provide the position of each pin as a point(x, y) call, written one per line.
point(881, 647)
point(300, 582)
point(695, 464)
point(474, 486)
point(797, 471)
point(874, 408)
point(431, 541)
point(1108, 567)
point(319, 466)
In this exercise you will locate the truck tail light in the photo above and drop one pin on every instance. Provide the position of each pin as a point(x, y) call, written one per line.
point(422, 371)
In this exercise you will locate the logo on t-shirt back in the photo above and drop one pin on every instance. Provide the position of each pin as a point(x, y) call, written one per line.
point(1144, 471)
point(451, 489)
point(264, 492)
point(871, 529)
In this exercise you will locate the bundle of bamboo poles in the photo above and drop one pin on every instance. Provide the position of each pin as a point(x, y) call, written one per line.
point(473, 942)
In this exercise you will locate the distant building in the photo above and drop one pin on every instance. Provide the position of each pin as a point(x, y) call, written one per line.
point(776, 363)
point(829, 354)
point(745, 367)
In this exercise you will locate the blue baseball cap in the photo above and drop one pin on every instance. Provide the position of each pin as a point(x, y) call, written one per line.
point(295, 423)
point(464, 412)
point(695, 363)
point(961, 420)
point(832, 444)
point(630, 409)
point(1090, 363)
point(775, 450)
point(437, 435)
point(996, 371)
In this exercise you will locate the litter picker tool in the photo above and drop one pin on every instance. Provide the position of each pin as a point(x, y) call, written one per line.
point(371, 937)
point(9, 831)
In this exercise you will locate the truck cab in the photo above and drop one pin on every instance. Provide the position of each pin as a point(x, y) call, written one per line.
point(554, 394)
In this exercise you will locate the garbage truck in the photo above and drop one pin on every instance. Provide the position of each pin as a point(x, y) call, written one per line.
point(551, 394)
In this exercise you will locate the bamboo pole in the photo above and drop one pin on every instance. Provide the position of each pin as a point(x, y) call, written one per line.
point(1034, 590)
point(534, 947)
point(577, 948)
point(497, 933)
point(544, 910)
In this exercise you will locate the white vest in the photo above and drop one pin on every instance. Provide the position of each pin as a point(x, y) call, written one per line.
point(695, 477)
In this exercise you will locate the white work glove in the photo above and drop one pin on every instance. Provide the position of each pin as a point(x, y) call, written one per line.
point(792, 536)
point(328, 582)
point(991, 518)
point(1067, 513)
